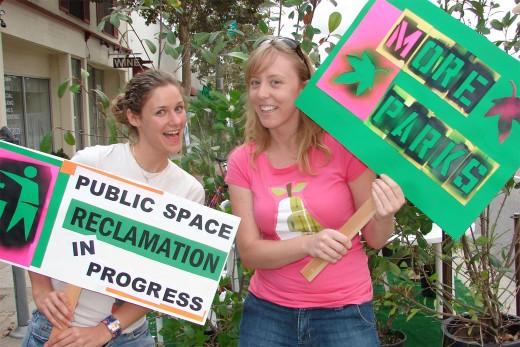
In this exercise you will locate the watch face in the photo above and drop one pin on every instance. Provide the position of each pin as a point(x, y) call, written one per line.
point(114, 326)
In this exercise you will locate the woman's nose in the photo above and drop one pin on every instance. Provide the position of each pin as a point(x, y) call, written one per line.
point(177, 117)
point(263, 90)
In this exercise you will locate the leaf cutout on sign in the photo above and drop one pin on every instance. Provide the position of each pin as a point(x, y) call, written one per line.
point(508, 110)
point(363, 73)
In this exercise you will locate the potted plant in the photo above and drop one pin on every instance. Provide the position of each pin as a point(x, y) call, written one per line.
point(386, 310)
point(479, 303)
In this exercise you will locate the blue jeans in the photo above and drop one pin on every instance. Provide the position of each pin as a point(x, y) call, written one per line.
point(267, 324)
point(39, 330)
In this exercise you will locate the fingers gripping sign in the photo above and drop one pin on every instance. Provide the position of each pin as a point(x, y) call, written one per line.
point(329, 245)
point(388, 197)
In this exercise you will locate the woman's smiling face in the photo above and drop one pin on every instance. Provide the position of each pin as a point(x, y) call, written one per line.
point(272, 92)
point(161, 123)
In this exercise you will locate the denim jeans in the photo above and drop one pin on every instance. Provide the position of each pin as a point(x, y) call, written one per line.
point(267, 324)
point(39, 330)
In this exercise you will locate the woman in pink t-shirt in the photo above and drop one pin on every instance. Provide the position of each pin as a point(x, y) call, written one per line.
point(293, 185)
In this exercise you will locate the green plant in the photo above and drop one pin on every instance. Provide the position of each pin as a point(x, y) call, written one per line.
point(215, 128)
point(482, 263)
point(394, 274)
point(223, 323)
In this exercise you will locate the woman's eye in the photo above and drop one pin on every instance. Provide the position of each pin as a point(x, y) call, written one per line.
point(276, 82)
point(160, 113)
point(254, 83)
point(179, 109)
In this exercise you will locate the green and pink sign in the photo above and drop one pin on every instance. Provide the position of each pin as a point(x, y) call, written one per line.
point(421, 97)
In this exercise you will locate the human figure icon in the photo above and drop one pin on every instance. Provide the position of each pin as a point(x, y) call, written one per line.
point(28, 200)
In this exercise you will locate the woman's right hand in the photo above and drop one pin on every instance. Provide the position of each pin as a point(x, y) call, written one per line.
point(329, 245)
point(55, 306)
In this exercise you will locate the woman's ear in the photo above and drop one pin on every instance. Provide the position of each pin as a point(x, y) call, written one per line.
point(133, 119)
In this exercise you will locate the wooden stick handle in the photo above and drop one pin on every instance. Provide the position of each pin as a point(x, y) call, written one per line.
point(72, 292)
point(350, 229)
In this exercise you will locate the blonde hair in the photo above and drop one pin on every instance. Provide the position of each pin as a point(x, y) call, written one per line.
point(309, 134)
point(137, 93)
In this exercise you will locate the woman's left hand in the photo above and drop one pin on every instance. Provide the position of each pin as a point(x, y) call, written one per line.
point(388, 197)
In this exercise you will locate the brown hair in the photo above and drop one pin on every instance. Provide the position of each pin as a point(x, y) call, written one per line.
point(137, 92)
point(309, 134)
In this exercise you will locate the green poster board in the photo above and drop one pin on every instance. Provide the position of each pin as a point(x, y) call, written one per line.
point(421, 97)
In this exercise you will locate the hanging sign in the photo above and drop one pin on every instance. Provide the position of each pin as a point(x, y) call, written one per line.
point(129, 62)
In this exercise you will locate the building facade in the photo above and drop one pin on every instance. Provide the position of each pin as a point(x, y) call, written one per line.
point(47, 42)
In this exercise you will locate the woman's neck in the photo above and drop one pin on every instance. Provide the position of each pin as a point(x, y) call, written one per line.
point(283, 149)
point(149, 159)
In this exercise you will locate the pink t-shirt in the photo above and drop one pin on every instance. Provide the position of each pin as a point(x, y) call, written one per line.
point(287, 202)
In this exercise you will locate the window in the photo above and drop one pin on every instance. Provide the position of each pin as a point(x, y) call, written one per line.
point(77, 8)
point(104, 8)
point(97, 130)
point(78, 105)
point(28, 109)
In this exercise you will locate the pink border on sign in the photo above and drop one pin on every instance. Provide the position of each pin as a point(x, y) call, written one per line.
point(23, 255)
point(367, 36)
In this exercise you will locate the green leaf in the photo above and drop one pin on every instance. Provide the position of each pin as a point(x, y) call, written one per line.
point(171, 38)
point(46, 144)
point(496, 24)
point(150, 45)
point(306, 46)
point(239, 55)
point(413, 312)
point(112, 130)
point(200, 38)
point(334, 21)
point(219, 46)
point(105, 102)
point(69, 138)
point(213, 36)
point(174, 3)
point(172, 52)
point(290, 3)
point(209, 57)
point(114, 19)
point(62, 88)
point(123, 17)
point(263, 27)
point(101, 25)
point(75, 88)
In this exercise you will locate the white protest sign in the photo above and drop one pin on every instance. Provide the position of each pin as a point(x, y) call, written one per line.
point(118, 237)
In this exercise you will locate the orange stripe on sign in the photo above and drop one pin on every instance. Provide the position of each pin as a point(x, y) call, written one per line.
point(160, 306)
point(68, 167)
point(118, 178)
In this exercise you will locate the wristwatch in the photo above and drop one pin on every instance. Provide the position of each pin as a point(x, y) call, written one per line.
point(113, 325)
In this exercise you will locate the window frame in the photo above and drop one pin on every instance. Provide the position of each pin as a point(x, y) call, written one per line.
point(64, 6)
point(101, 13)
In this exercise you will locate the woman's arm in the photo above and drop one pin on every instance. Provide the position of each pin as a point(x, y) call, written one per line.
point(388, 199)
point(98, 335)
point(329, 245)
point(52, 304)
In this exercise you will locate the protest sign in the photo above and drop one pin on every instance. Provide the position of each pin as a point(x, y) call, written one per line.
point(109, 234)
point(421, 97)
